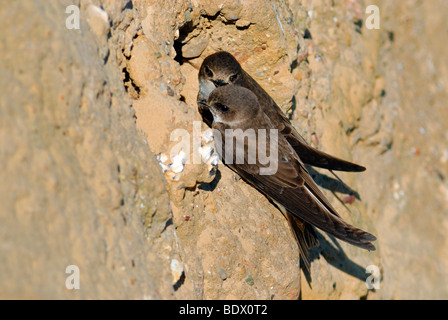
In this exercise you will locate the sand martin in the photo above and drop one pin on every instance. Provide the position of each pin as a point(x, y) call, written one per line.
point(236, 109)
point(221, 68)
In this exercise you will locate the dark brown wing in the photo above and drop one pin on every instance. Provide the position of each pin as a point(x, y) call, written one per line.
point(307, 154)
point(305, 236)
point(317, 158)
point(300, 201)
point(303, 233)
point(293, 188)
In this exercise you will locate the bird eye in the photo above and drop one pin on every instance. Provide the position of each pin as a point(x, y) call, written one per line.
point(222, 107)
point(208, 72)
point(233, 78)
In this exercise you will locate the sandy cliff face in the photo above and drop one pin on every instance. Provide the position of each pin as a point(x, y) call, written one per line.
point(86, 128)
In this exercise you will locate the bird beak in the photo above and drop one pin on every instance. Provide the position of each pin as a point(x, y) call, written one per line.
point(204, 103)
point(219, 83)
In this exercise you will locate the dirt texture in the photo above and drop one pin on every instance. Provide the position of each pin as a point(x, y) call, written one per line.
point(92, 175)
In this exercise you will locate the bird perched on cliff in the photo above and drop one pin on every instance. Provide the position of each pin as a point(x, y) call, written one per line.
point(237, 109)
point(221, 68)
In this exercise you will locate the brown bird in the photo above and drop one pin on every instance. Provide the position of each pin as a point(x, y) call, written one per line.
point(238, 116)
point(221, 68)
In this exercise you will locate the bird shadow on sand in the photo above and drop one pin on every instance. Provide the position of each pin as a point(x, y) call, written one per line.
point(332, 184)
point(331, 250)
point(211, 186)
point(334, 255)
